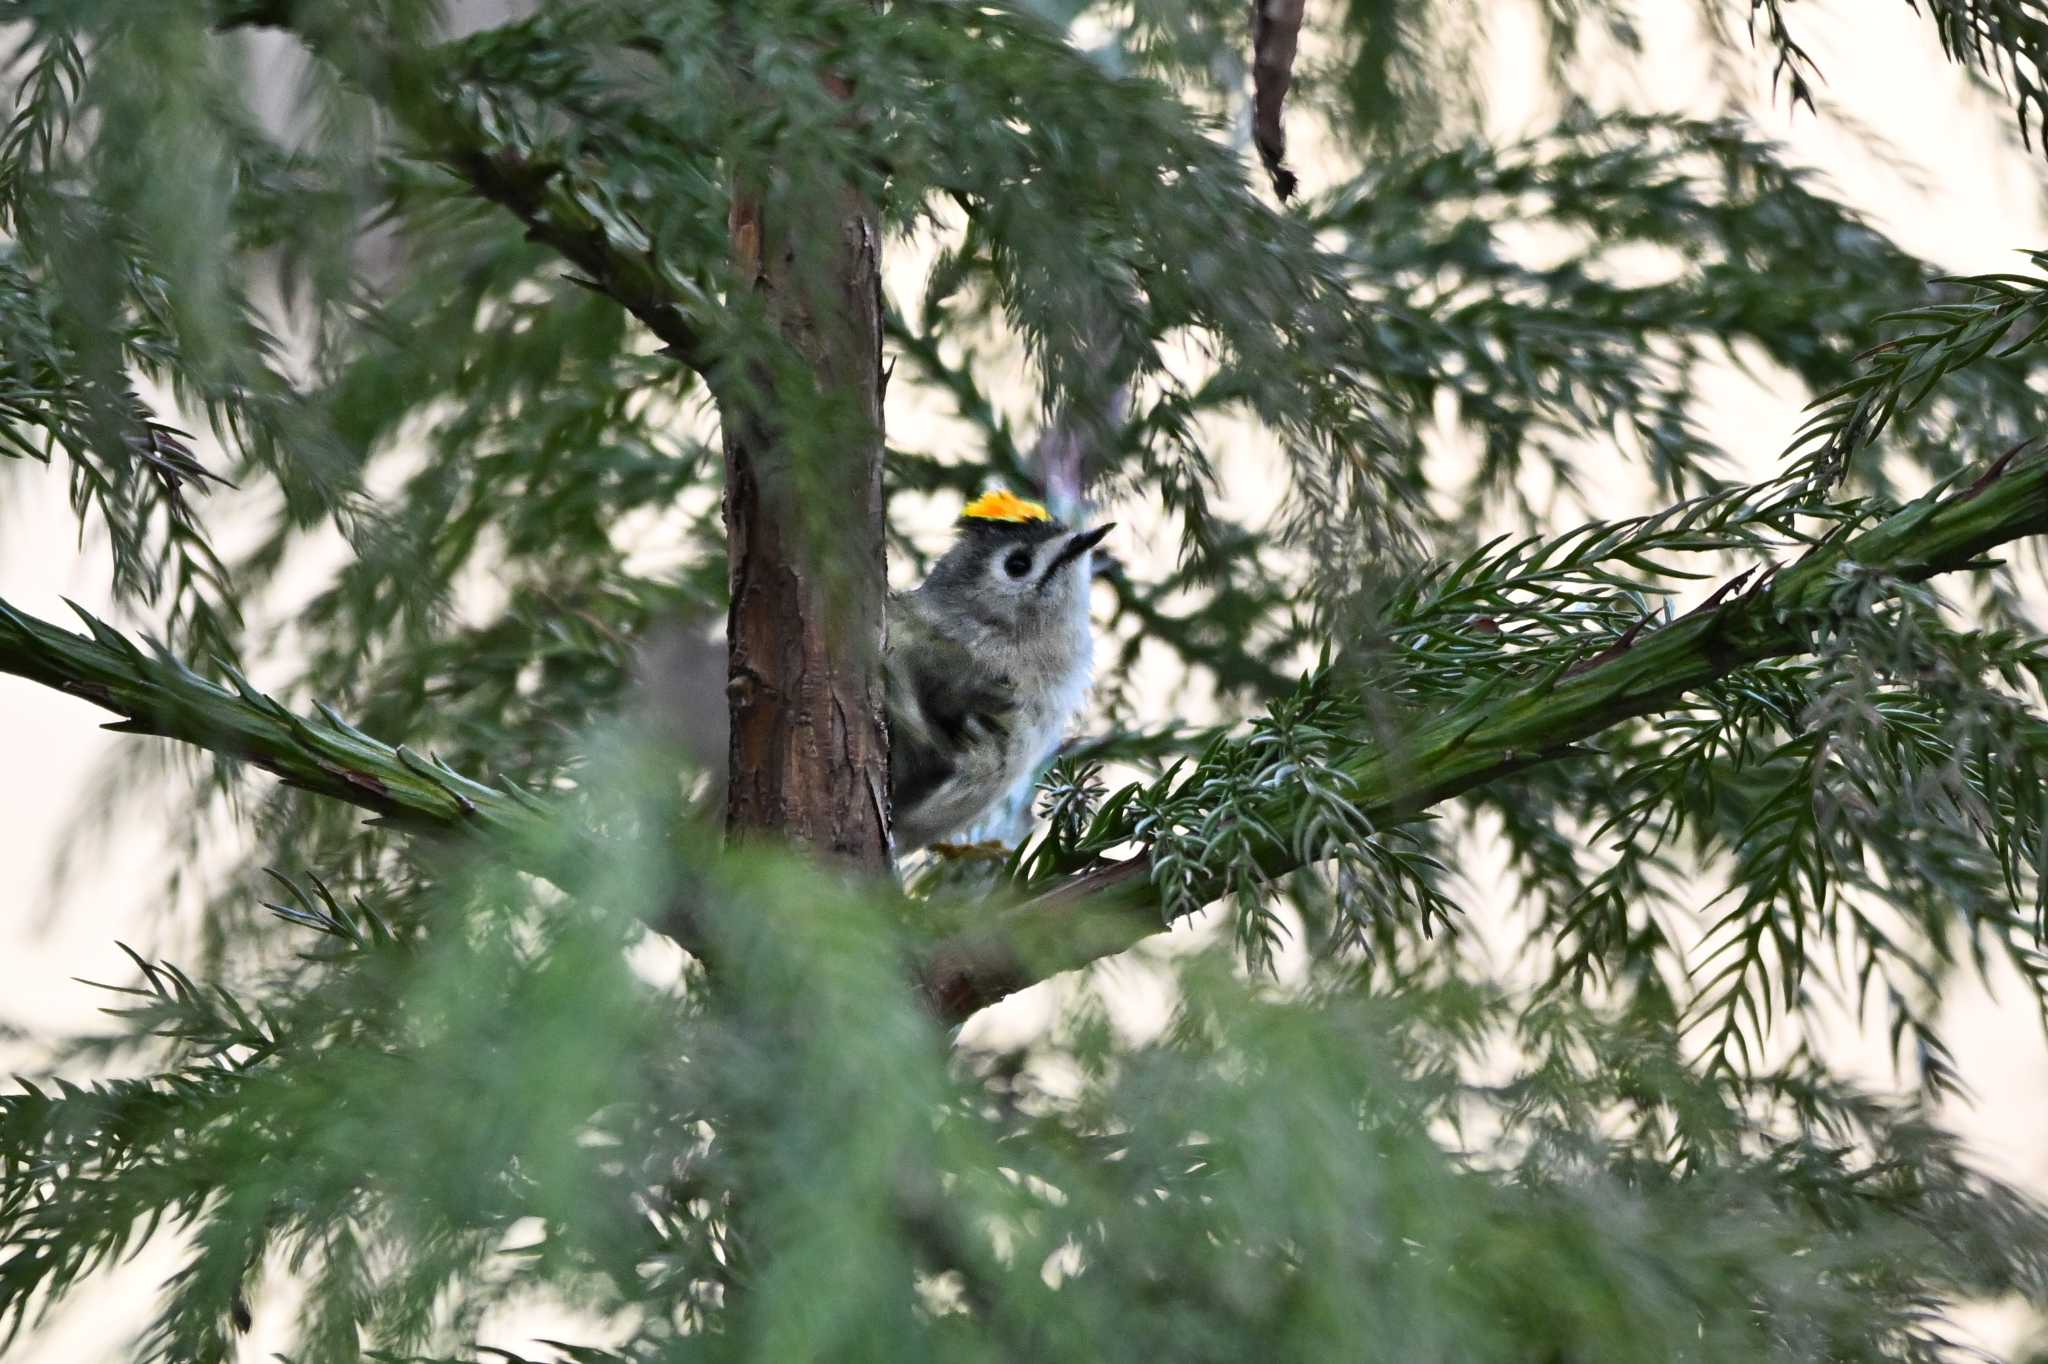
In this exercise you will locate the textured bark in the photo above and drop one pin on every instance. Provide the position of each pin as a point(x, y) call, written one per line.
point(1276, 29)
point(809, 755)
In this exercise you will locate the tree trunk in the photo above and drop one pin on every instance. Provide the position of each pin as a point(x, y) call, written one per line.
point(809, 751)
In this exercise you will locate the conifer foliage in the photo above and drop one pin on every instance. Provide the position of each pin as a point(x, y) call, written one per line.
point(575, 324)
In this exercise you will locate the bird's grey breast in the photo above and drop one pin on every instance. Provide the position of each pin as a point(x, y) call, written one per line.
point(1029, 684)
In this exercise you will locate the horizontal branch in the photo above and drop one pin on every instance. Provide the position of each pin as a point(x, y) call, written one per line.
point(1759, 616)
point(1110, 908)
point(156, 694)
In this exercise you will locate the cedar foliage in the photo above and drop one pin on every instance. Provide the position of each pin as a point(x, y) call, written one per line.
point(465, 308)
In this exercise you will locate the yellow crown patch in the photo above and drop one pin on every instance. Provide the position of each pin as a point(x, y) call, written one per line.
point(1003, 506)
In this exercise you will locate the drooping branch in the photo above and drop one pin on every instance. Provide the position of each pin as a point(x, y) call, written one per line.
point(1758, 616)
point(1276, 31)
point(547, 197)
point(557, 216)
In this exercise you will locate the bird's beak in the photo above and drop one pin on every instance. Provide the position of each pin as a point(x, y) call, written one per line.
point(1075, 547)
point(1089, 539)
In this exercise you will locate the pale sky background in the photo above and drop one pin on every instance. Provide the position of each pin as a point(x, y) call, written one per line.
point(1978, 197)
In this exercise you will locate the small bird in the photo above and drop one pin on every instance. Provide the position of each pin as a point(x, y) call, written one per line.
point(987, 662)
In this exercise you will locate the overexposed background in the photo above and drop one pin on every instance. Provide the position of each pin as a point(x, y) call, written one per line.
point(1953, 185)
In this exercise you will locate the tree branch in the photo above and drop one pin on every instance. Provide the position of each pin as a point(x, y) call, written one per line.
point(556, 217)
point(409, 84)
point(809, 751)
point(156, 694)
point(1111, 908)
point(1276, 29)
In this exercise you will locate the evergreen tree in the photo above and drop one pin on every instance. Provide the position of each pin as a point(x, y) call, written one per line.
point(572, 328)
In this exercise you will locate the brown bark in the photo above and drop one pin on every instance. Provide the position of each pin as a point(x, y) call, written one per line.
point(809, 755)
point(1276, 29)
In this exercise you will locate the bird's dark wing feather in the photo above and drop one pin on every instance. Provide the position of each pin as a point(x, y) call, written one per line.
point(936, 691)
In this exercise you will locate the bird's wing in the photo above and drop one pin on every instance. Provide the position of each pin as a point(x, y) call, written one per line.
point(937, 692)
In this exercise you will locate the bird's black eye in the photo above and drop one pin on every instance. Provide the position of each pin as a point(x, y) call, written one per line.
point(1018, 564)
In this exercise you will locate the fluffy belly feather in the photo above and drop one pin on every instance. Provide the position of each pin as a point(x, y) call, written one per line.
point(983, 774)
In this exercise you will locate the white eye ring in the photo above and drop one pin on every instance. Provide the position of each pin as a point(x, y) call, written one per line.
point(1018, 563)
